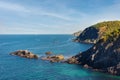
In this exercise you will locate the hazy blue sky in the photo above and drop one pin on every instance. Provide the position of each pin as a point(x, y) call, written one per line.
point(54, 16)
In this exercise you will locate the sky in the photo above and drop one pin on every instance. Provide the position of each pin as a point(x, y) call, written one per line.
point(54, 16)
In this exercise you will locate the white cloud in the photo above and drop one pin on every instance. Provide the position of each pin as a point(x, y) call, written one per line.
point(32, 11)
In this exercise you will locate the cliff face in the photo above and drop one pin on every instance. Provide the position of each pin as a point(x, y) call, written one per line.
point(104, 55)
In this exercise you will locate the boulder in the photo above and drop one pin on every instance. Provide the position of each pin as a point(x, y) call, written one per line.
point(25, 54)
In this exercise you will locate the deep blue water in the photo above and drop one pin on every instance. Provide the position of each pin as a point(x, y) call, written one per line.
point(17, 68)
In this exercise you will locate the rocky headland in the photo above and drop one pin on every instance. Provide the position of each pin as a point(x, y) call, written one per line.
point(104, 55)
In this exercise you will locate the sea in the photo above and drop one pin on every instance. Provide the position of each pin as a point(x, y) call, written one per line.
point(18, 68)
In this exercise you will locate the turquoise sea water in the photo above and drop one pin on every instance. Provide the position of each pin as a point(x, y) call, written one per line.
point(17, 68)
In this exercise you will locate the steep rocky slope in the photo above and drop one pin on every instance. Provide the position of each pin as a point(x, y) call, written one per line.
point(104, 55)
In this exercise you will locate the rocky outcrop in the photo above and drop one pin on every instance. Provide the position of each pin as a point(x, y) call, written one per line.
point(25, 54)
point(55, 58)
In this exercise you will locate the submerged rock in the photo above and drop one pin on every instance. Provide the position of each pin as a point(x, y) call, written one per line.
point(25, 54)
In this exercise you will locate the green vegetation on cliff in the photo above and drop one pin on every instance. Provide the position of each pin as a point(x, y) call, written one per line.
point(108, 29)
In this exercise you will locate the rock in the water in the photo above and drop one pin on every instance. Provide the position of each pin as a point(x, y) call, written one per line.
point(48, 53)
point(25, 54)
point(56, 58)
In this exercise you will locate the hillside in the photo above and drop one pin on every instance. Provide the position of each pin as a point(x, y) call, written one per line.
point(102, 30)
point(104, 55)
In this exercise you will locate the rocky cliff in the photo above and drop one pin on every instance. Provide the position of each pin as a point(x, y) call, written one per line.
point(104, 55)
point(95, 32)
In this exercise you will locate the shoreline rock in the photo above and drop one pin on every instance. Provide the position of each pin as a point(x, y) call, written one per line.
point(72, 60)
